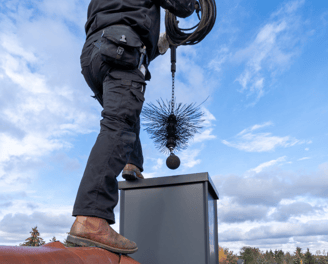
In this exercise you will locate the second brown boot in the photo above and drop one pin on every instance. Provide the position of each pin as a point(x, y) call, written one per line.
point(93, 231)
point(131, 172)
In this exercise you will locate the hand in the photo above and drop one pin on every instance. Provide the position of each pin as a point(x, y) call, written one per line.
point(163, 44)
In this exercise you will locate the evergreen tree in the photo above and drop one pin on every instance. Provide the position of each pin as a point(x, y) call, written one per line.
point(261, 259)
point(34, 240)
point(296, 261)
point(250, 255)
point(53, 239)
point(298, 256)
point(298, 252)
point(288, 259)
point(269, 256)
point(308, 257)
point(279, 256)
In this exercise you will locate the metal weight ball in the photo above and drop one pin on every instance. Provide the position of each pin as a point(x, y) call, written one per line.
point(173, 162)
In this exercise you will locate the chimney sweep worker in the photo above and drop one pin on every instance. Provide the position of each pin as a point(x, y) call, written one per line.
point(122, 38)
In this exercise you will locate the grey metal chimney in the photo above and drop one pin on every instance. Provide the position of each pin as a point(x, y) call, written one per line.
point(172, 219)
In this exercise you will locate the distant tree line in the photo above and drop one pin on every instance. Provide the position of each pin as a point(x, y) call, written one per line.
point(248, 254)
point(255, 256)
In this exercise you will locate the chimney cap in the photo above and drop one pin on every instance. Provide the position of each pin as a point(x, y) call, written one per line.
point(171, 180)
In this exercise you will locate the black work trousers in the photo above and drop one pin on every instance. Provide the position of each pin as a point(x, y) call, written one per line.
point(118, 142)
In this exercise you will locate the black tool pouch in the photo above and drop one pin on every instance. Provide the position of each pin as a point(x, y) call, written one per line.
point(120, 45)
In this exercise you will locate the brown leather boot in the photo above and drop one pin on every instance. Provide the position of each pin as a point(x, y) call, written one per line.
point(131, 172)
point(93, 231)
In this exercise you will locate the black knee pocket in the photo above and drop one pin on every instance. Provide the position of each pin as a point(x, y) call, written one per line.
point(123, 98)
point(135, 102)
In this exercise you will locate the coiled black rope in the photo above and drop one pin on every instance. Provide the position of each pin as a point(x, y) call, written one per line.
point(179, 36)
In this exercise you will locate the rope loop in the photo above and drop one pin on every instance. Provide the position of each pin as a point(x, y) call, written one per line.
point(177, 36)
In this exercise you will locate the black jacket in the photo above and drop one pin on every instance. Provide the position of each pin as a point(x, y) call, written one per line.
point(143, 16)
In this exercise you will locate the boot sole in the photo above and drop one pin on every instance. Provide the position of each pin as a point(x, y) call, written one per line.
point(84, 242)
point(129, 175)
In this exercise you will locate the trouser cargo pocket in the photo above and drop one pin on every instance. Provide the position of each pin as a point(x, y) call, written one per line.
point(120, 45)
point(123, 99)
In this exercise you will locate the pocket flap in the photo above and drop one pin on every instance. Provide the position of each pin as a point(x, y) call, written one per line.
point(138, 94)
point(123, 35)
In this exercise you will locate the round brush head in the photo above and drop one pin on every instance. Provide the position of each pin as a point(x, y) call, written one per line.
point(171, 128)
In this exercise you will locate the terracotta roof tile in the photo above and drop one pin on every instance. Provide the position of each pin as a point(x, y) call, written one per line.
point(57, 253)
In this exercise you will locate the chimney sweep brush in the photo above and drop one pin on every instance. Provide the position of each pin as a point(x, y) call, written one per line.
point(172, 125)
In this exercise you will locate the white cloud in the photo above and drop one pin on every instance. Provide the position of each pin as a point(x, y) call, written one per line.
point(274, 209)
point(148, 175)
point(206, 133)
point(277, 230)
point(259, 51)
point(159, 164)
point(221, 57)
point(19, 218)
point(208, 117)
point(255, 127)
point(233, 212)
point(304, 158)
point(43, 95)
point(271, 51)
point(289, 7)
point(267, 164)
point(248, 141)
point(189, 158)
point(324, 168)
point(271, 187)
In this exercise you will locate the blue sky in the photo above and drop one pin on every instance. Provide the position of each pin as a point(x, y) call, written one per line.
point(263, 66)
